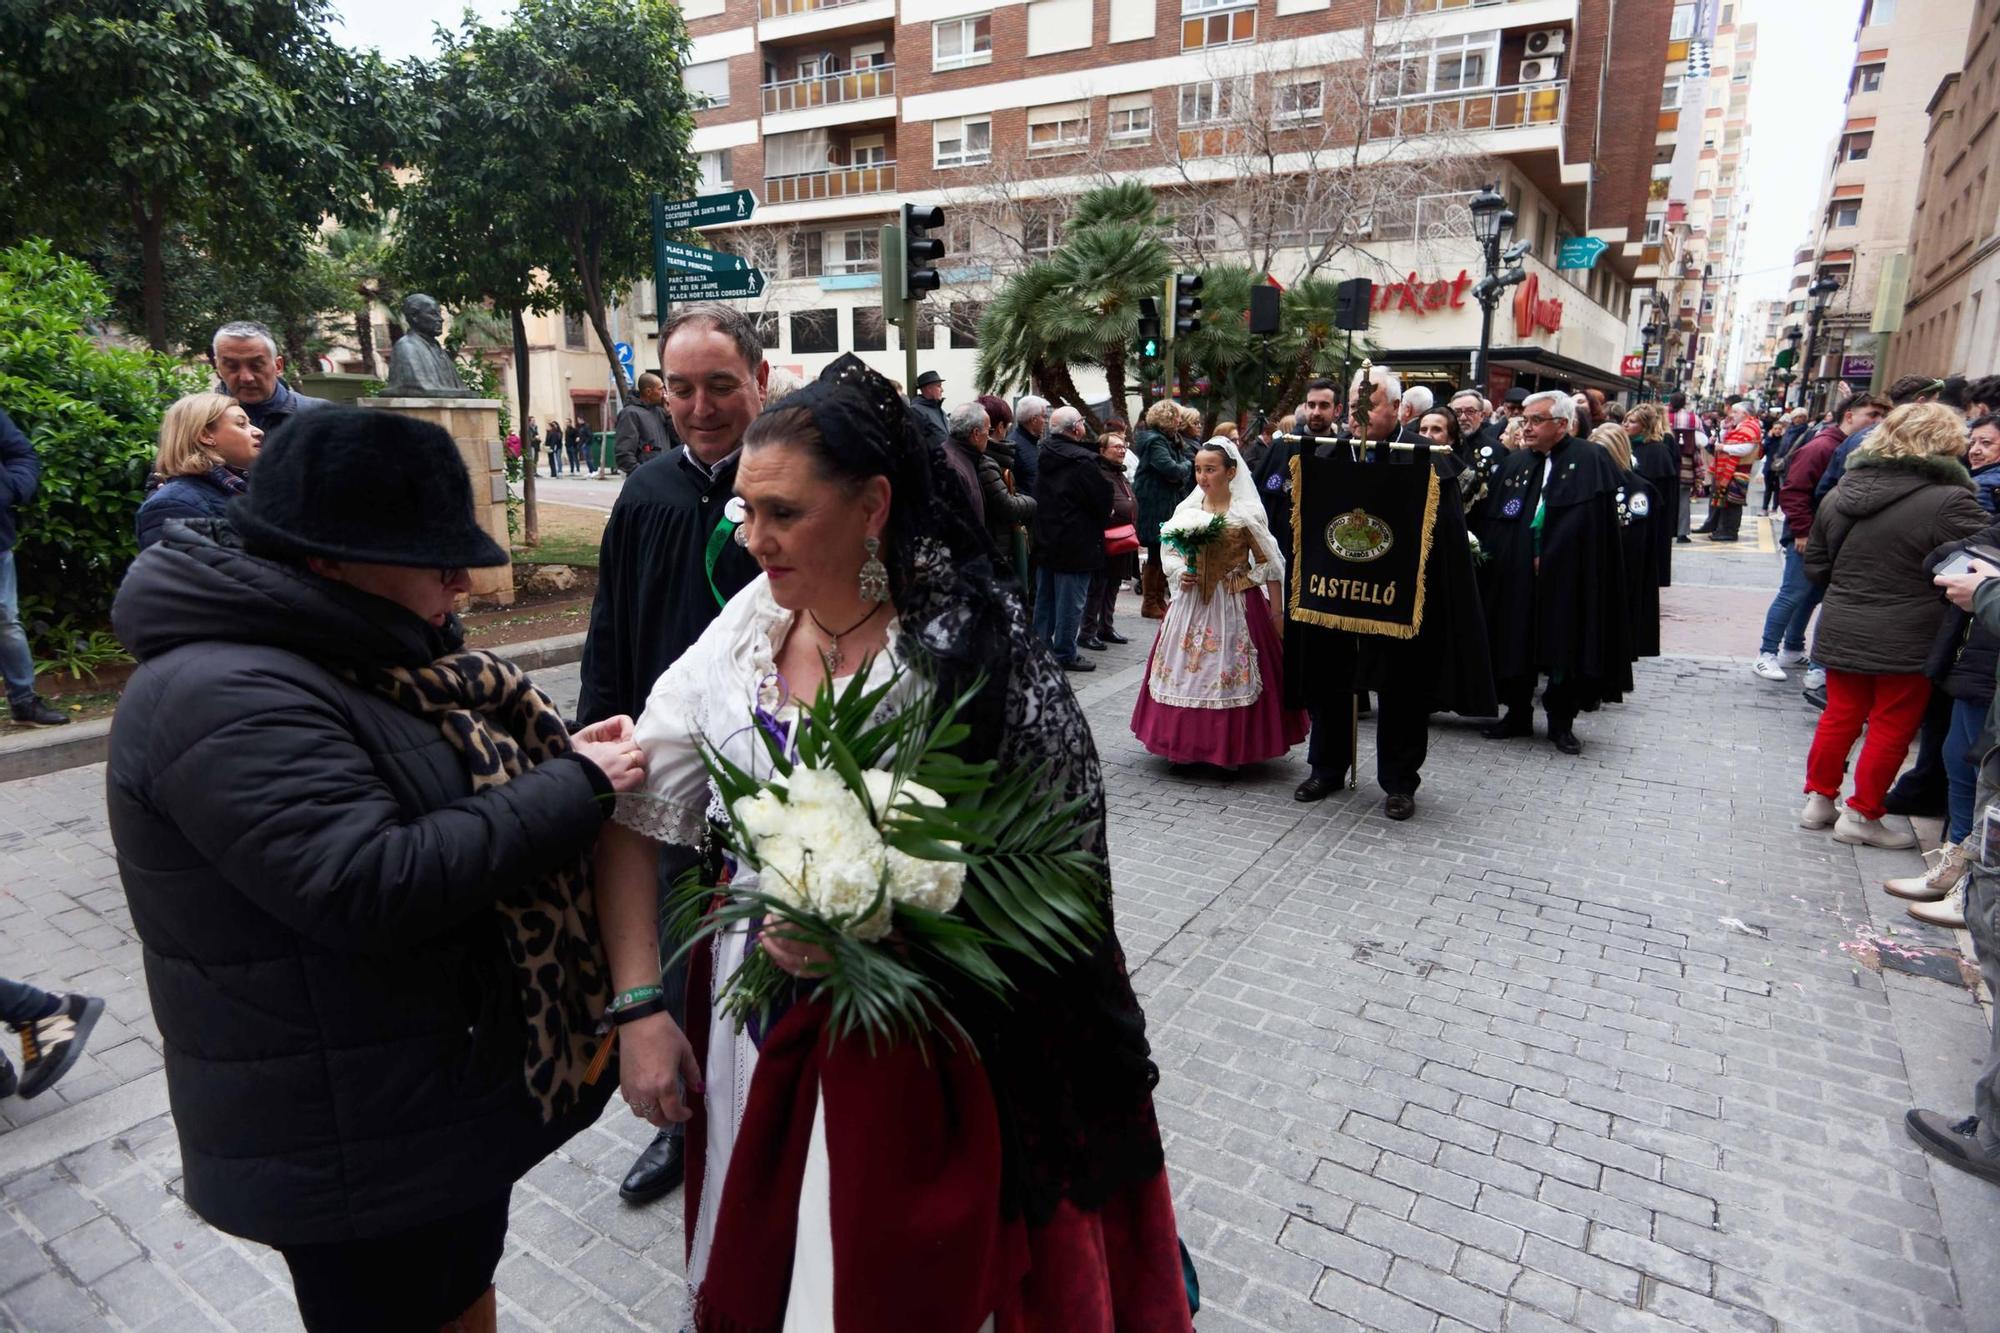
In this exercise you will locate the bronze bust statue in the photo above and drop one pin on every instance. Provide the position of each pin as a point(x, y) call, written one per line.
point(418, 367)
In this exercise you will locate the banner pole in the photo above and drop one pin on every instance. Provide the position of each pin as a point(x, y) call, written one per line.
point(1353, 739)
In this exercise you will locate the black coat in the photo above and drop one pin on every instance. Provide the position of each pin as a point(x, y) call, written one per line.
point(1643, 517)
point(653, 593)
point(1569, 617)
point(1965, 656)
point(1072, 507)
point(20, 476)
point(1274, 488)
point(931, 413)
point(197, 496)
point(1660, 466)
point(1446, 663)
point(312, 878)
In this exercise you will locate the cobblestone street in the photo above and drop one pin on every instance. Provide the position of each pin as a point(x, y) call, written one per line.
point(1593, 1043)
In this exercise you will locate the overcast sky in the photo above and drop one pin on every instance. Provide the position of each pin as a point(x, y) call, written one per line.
point(403, 28)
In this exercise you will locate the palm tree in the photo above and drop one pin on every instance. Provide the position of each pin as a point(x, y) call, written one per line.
point(1102, 272)
point(1020, 344)
point(361, 258)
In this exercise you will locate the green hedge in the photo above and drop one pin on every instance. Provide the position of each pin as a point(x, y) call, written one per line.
point(93, 412)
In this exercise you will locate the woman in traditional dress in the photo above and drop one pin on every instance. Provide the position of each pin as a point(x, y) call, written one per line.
point(1016, 1185)
point(1212, 693)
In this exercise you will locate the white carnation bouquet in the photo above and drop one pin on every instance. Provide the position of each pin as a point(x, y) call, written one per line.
point(906, 864)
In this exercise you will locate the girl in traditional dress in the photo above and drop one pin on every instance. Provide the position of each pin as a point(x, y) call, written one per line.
point(1212, 693)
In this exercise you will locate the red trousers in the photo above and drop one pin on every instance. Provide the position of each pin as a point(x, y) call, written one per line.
point(1892, 708)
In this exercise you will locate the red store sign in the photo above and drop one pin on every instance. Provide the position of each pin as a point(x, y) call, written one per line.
point(1422, 297)
point(1531, 312)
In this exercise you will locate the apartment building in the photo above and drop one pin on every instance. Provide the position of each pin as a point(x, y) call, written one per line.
point(1718, 208)
point(833, 112)
point(1952, 320)
point(1905, 51)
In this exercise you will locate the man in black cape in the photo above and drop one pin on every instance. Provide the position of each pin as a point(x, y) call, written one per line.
point(667, 564)
point(1442, 669)
point(1555, 576)
point(1274, 478)
point(1656, 461)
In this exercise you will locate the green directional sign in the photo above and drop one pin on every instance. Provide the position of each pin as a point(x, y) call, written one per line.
point(1580, 252)
point(697, 260)
point(709, 210)
point(715, 286)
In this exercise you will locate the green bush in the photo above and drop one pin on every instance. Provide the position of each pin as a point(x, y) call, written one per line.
point(92, 412)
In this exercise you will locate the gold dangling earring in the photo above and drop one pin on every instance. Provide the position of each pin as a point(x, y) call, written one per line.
point(874, 574)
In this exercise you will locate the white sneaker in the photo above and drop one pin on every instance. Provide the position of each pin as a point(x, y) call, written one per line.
point(1767, 666)
point(1852, 828)
point(1792, 657)
point(1949, 912)
point(1815, 678)
point(1819, 812)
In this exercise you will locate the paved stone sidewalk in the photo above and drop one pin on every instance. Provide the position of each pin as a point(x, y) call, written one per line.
point(1577, 1048)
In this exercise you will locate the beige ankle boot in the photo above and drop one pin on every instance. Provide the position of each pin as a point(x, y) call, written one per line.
point(1949, 912)
point(1947, 871)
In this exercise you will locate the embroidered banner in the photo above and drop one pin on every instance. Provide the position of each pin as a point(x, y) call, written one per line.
point(1361, 541)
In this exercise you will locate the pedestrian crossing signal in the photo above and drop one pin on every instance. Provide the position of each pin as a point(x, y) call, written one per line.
point(1149, 329)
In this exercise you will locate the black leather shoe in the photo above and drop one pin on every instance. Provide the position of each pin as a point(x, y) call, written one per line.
point(1113, 636)
point(1077, 664)
point(1096, 645)
point(658, 1170)
point(1566, 741)
point(1399, 806)
point(1316, 789)
point(1507, 729)
point(1922, 804)
point(1817, 698)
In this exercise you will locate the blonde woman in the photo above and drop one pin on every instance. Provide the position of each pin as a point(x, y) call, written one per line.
point(207, 445)
point(1641, 520)
point(1905, 493)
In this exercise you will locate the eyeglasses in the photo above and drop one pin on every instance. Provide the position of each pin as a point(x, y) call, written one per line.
point(1538, 420)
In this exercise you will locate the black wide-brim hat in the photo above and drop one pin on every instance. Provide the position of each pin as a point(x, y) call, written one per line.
point(370, 486)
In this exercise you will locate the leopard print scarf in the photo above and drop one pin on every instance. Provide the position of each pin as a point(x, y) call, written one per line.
point(503, 725)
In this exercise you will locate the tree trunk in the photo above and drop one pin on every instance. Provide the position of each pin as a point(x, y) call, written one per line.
point(531, 518)
point(152, 268)
point(589, 278)
point(1114, 379)
point(364, 337)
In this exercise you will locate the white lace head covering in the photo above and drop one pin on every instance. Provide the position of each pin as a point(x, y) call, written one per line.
point(1244, 505)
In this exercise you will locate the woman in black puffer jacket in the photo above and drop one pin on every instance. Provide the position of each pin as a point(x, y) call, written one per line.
point(333, 831)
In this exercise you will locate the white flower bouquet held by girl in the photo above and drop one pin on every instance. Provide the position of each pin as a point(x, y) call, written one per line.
point(907, 866)
point(1189, 533)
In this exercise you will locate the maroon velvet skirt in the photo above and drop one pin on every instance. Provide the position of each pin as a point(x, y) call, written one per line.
point(1226, 737)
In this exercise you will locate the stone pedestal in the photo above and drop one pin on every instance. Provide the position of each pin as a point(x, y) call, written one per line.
point(475, 424)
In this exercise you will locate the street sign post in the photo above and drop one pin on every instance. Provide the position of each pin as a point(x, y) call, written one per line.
point(1580, 252)
point(714, 286)
point(623, 351)
point(703, 210)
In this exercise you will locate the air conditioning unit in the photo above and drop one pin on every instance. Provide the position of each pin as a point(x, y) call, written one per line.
point(1545, 69)
point(1548, 41)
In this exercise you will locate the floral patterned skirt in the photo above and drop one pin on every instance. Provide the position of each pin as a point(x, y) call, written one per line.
point(1226, 671)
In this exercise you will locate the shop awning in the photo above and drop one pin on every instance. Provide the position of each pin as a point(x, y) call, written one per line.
point(1538, 362)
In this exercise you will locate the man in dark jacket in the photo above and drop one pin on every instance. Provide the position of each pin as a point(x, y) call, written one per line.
point(1072, 507)
point(20, 478)
point(1906, 389)
point(1555, 585)
point(581, 447)
point(964, 442)
point(247, 361)
point(1784, 641)
point(643, 430)
point(929, 403)
point(666, 566)
point(329, 887)
point(1031, 420)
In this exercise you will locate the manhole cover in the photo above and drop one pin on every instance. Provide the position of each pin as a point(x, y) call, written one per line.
point(1937, 964)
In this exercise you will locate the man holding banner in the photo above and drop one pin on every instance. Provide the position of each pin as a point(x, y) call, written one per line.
point(1382, 597)
point(1555, 577)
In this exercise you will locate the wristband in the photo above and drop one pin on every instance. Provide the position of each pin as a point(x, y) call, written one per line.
point(634, 1012)
point(634, 996)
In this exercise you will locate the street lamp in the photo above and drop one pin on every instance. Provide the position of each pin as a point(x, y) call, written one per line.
point(1491, 221)
point(1823, 287)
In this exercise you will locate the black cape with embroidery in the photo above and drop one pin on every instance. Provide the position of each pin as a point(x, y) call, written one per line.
point(1656, 461)
point(1446, 661)
point(1644, 517)
point(653, 598)
point(1570, 618)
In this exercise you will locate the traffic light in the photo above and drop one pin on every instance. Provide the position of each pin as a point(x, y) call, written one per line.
point(1187, 304)
point(921, 251)
point(1149, 329)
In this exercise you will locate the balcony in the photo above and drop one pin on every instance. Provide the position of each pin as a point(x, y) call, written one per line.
point(1520, 106)
point(778, 9)
point(1398, 9)
point(784, 20)
point(857, 85)
point(833, 183)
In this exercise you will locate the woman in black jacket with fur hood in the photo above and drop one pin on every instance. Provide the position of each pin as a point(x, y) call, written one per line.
point(356, 857)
